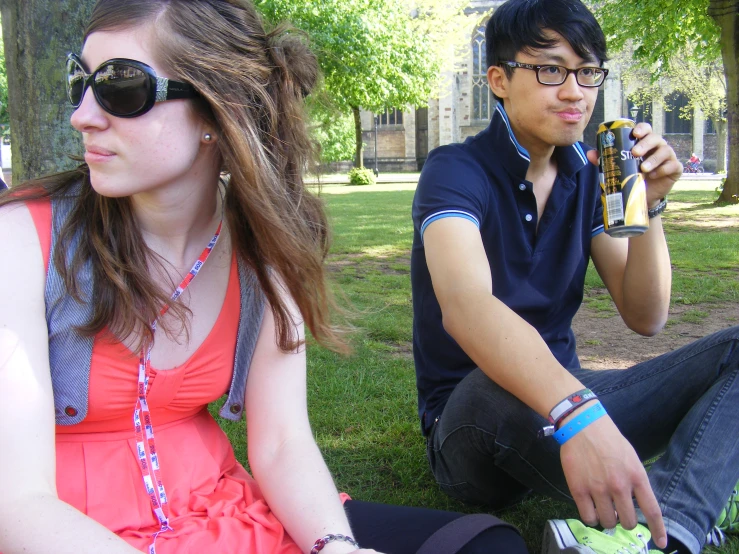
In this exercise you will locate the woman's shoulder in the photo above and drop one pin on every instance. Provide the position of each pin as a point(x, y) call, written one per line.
point(23, 278)
point(25, 231)
point(20, 216)
point(21, 222)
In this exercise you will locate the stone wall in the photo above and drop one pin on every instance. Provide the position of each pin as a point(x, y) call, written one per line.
point(710, 150)
point(335, 167)
point(681, 143)
point(390, 142)
point(471, 131)
point(392, 165)
point(392, 147)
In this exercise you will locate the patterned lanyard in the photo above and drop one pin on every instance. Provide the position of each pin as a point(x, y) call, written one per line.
point(145, 446)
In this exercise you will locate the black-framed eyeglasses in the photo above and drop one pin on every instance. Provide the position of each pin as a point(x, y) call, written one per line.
point(122, 87)
point(554, 75)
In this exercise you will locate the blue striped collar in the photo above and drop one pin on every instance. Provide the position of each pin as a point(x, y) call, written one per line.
point(522, 152)
point(516, 159)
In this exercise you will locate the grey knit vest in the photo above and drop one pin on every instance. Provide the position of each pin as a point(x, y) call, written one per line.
point(70, 354)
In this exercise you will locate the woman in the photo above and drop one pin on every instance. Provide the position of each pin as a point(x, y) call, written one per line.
point(170, 95)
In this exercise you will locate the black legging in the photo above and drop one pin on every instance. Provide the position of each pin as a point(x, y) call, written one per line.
point(402, 530)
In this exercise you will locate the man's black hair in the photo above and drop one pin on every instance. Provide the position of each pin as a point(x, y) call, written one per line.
point(520, 25)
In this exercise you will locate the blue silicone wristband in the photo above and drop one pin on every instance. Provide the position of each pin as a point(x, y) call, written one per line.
point(574, 426)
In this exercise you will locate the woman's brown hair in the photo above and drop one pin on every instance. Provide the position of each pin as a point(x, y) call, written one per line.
point(252, 84)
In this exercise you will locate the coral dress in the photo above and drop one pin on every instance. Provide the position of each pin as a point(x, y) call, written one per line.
point(214, 504)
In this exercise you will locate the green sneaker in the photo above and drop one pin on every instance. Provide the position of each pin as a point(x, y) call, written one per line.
point(571, 536)
point(728, 520)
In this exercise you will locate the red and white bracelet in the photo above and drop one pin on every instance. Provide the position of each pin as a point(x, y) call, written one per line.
point(565, 408)
point(323, 541)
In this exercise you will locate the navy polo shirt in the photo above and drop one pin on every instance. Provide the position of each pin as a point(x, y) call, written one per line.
point(539, 274)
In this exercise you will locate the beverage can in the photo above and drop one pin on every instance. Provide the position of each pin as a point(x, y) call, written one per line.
point(623, 189)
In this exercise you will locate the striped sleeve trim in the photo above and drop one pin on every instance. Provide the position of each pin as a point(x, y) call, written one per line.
point(597, 230)
point(448, 213)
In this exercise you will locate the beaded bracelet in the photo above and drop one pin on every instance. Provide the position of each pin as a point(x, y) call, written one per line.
point(574, 426)
point(323, 541)
point(658, 209)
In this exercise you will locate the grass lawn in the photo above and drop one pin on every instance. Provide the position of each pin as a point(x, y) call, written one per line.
point(363, 407)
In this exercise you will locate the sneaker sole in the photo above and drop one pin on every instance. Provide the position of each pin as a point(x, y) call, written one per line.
point(558, 539)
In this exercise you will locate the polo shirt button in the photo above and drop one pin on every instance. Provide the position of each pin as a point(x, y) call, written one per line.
point(529, 217)
point(521, 187)
point(235, 408)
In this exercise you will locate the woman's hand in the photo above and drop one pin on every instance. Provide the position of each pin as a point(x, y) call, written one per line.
point(338, 547)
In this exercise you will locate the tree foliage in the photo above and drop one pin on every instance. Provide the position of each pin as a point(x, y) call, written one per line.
point(702, 82)
point(374, 54)
point(368, 50)
point(660, 28)
point(670, 34)
point(332, 130)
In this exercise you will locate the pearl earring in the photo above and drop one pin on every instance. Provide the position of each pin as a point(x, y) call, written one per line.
point(207, 137)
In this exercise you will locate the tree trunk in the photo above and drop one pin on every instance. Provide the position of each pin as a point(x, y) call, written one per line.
point(38, 34)
point(720, 126)
point(726, 15)
point(358, 154)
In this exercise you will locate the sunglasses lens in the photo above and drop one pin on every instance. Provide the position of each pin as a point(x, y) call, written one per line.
point(121, 89)
point(75, 82)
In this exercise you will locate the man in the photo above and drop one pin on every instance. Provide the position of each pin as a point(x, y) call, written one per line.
point(505, 225)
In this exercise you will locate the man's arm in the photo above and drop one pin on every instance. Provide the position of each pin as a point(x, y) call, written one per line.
point(637, 271)
point(509, 350)
point(601, 467)
point(638, 276)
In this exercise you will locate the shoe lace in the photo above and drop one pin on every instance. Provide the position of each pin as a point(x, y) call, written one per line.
point(717, 536)
point(632, 548)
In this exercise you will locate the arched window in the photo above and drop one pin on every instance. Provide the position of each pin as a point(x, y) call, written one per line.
point(482, 99)
point(674, 122)
point(643, 113)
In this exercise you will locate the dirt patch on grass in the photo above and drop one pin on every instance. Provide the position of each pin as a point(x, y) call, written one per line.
point(603, 340)
point(606, 342)
point(402, 350)
point(363, 264)
point(702, 222)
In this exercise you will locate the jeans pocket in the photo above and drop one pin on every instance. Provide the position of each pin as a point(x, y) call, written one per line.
point(430, 453)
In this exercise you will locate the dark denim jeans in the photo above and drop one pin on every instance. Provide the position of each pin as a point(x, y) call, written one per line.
point(685, 405)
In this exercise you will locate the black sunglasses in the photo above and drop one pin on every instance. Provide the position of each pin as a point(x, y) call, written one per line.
point(123, 88)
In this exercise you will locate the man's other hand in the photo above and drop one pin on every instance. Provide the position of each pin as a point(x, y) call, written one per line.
point(604, 474)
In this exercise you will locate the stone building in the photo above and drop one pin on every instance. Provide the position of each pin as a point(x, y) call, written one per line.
point(464, 104)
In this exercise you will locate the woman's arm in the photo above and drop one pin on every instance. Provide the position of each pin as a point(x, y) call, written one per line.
point(32, 518)
point(283, 455)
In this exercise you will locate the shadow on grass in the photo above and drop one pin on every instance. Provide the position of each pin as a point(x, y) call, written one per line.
point(391, 483)
point(707, 206)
